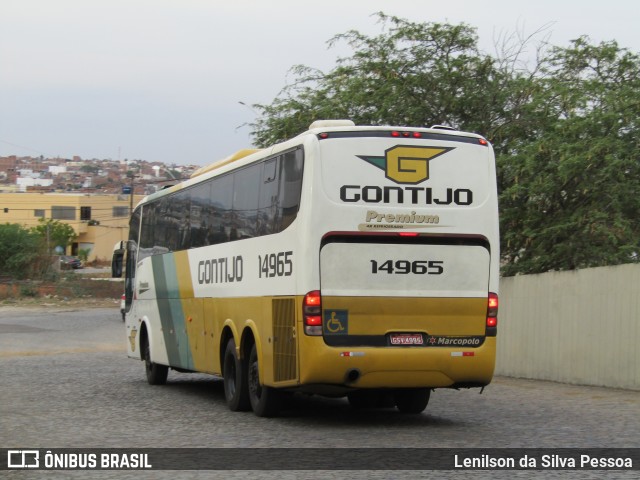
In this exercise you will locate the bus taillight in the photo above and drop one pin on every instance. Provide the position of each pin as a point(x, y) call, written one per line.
point(492, 315)
point(397, 134)
point(312, 311)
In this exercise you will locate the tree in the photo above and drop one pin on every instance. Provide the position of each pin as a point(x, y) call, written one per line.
point(90, 168)
point(565, 130)
point(571, 195)
point(83, 254)
point(19, 250)
point(413, 73)
point(54, 233)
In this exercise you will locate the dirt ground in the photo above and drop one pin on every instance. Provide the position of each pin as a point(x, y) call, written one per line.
point(59, 302)
point(87, 288)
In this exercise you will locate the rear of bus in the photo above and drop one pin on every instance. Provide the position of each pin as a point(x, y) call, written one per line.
point(404, 223)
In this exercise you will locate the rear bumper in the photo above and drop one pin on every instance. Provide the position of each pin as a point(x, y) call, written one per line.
point(396, 367)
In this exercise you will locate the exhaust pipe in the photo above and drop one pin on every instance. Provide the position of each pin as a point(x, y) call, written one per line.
point(352, 376)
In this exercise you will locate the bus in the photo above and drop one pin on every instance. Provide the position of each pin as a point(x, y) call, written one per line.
point(357, 261)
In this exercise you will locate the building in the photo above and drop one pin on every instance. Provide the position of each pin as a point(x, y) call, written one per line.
point(25, 182)
point(99, 220)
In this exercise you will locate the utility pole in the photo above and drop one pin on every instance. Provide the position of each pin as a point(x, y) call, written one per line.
point(131, 196)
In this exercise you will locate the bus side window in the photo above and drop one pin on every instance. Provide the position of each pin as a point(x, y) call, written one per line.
point(290, 187)
point(201, 218)
point(220, 209)
point(246, 185)
point(269, 174)
point(268, 201)
point(148, 228)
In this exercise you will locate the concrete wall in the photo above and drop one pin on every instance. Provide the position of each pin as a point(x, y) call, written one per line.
point(579, 327)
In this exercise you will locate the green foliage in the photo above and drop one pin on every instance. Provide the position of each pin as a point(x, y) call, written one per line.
point(19, 251)
point(54, 233)
point(571, 196)
point(420, 74)
point(565, 130)
point(26, 252)
point(83, 254)
point(90, 168)
point(28, 291)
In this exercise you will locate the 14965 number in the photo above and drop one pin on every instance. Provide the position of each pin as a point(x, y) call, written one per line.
point(405, 267)
point(275, 265)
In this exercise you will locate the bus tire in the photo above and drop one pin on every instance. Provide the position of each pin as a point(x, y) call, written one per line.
point(412, 400)
point(156, 374)
point(265, 401)
point(236, 389)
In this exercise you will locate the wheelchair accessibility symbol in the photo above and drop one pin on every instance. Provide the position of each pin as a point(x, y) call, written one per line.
point(336, 322)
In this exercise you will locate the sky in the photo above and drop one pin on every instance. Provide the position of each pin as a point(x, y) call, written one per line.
point(174, 80)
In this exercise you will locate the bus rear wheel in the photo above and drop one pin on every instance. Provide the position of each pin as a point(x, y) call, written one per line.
point(412, 400)
point(265, 401)
point(156, 374)
point(235, 379)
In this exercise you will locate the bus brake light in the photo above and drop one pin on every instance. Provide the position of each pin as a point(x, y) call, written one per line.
point(397, 134)
point(312, 312)
point(492, 314)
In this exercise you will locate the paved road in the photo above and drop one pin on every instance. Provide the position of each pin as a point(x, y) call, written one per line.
point(66, 382)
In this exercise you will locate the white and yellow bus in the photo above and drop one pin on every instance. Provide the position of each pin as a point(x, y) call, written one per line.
point(349, 260)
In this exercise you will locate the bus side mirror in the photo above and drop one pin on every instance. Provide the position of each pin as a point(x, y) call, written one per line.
point(116, 264)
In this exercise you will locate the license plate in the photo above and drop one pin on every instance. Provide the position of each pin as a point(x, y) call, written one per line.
point(406, 339)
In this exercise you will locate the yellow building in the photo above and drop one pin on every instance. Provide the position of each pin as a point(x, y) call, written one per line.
point(99, 220)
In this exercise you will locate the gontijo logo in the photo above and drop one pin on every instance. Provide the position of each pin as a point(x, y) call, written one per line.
point(404, 164)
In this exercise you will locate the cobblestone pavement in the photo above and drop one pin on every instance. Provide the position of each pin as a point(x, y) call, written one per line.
point(66, 382)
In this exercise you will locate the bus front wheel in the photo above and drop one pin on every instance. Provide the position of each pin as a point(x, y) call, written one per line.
point(412, 400)
point(265, 401)
point(235, 379)
point(156, 374)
